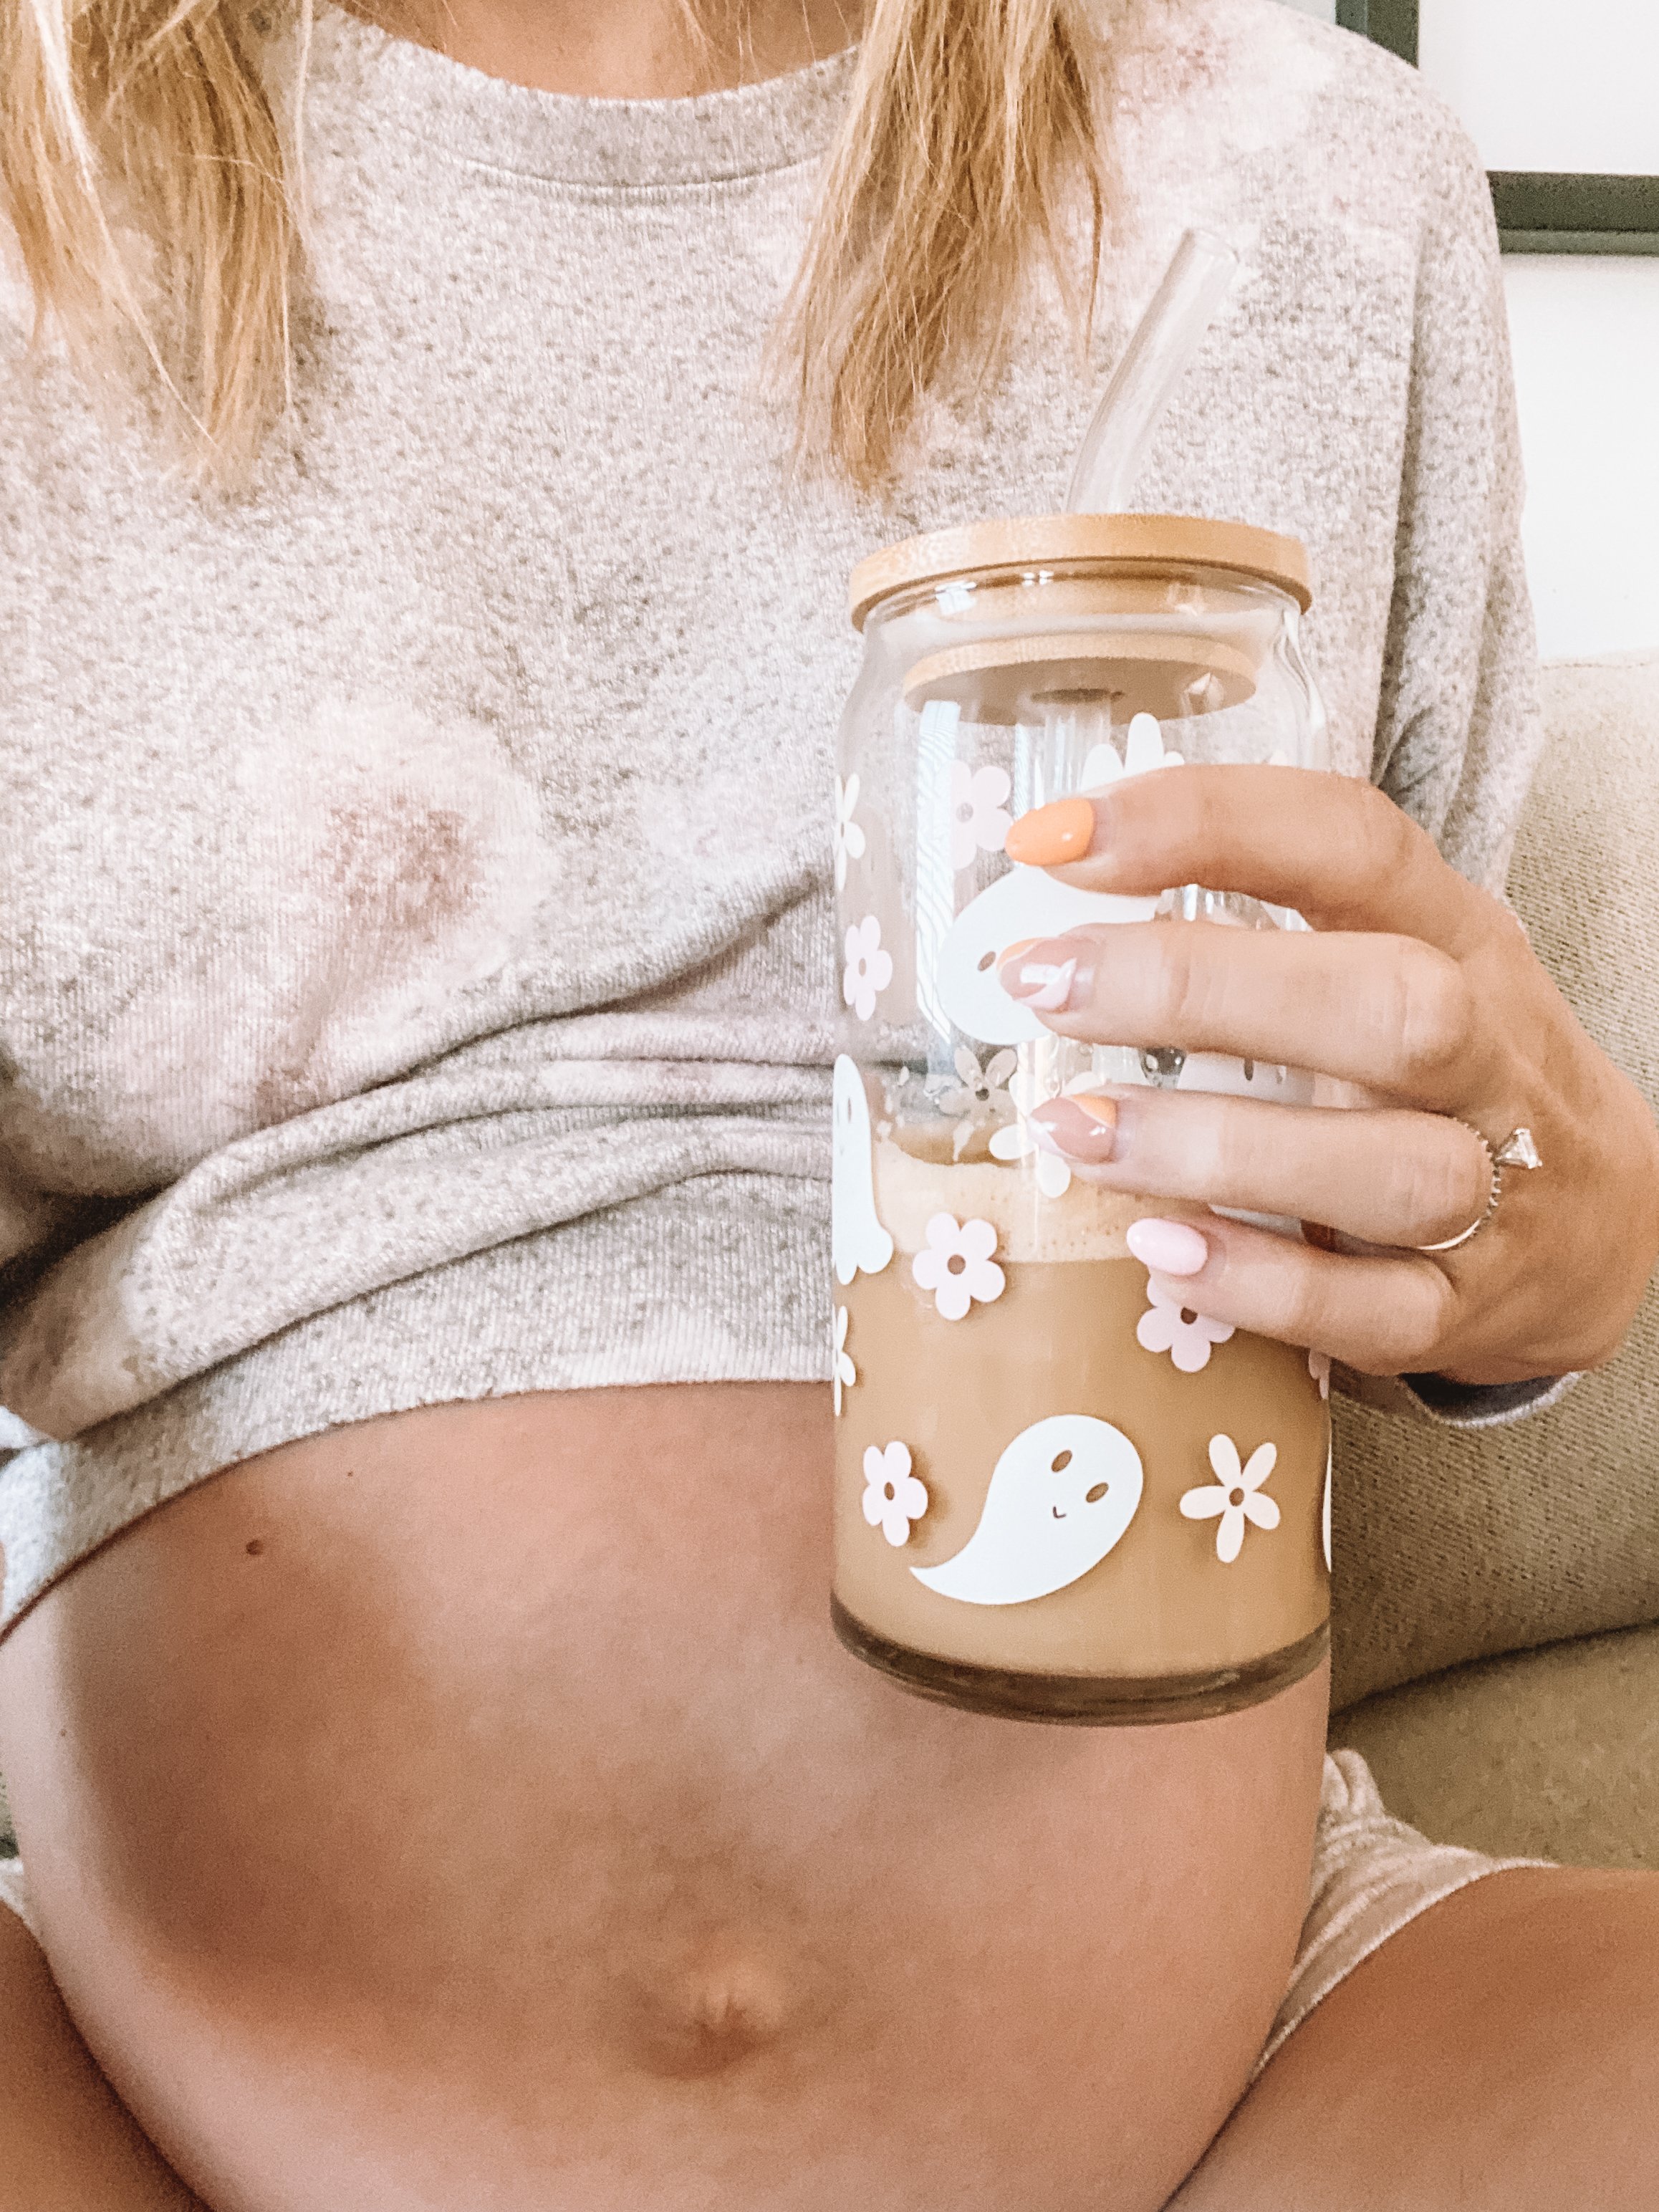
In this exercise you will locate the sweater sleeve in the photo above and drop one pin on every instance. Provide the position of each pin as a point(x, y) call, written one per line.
point(1459, 727)
point(1452, 1405)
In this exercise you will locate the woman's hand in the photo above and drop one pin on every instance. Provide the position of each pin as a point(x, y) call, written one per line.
point(1417, 988)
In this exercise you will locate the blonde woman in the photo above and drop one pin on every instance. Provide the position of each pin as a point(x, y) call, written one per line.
point(423, 632)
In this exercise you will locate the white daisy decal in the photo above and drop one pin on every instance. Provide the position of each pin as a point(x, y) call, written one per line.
point(849, 835)
point(893, 1497)
point(956, 1266)
point(843, 1372)
point(980, 820)
point(1023, 1138)
point(979, 1094)
point(1235, 1495)
point(1188, 1336)
point(1143, 751)
point(869, 967)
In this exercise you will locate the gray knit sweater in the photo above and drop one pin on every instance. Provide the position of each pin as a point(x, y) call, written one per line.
point(416, 957)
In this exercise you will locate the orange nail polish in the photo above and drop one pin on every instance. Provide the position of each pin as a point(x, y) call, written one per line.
point(1050, 835)
point(1103, 1110)
point(1073, 1128)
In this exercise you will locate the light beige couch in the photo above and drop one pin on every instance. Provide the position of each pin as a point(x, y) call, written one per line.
point(1495, 1657)
point(1532, 1552)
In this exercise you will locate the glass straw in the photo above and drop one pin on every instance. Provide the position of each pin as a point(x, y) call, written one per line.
point(1166, 341)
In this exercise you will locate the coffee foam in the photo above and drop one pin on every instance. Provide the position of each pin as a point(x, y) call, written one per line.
point(1085, 1222)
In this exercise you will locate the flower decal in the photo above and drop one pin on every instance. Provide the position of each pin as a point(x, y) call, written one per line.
point(956, 1266)
point(849, 837)
point(1187, 1337)
point(843, 1372)
point(978, 1089)
point(1025, 1138)
point(980, 820)
point(869, 968)
point(1143, 751)
point(1235, 1495)
point(893, 1498)
point(979, 1094)
point(1319, 1366)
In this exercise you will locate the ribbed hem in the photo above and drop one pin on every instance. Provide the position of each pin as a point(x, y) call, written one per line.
point(1453, 1405)
point(724, 1277)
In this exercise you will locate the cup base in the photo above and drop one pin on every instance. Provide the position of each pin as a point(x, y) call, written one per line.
point(1082, 1700)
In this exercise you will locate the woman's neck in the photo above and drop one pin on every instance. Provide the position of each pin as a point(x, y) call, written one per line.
point(624, 49)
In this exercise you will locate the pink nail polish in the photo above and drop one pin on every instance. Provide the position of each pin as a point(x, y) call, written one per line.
point(1045, 975)
point(1168, 1247)
point(1083, 1129)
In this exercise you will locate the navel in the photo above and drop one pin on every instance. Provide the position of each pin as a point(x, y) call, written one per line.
point(708, 2016)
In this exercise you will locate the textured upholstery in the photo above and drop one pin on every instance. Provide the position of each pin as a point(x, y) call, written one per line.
point(1552, 1753)
point(1454, 1545)
point(1448, 1545)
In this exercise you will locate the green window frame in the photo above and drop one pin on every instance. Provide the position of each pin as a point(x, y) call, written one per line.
point(1539, 210)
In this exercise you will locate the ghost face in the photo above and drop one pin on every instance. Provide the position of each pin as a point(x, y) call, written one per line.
point(857, 1238)
point(1025, 903)
point(1061, 1495)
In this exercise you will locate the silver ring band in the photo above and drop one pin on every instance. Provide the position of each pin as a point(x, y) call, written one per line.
point(1517, 1151)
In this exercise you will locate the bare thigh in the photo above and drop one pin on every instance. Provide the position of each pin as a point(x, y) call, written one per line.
point(67, 2142)
point(1501, 2054)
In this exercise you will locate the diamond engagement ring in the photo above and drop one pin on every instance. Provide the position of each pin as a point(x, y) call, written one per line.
point(1518, 1150)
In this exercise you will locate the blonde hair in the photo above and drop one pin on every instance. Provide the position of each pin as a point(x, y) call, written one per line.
point(974, 130)
point(146, 178)
point(143, 171)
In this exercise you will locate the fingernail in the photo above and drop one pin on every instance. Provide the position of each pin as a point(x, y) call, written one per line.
point(1044, 973)
point(1168, 1247)
point(1050, 835)
point(1080, 1128)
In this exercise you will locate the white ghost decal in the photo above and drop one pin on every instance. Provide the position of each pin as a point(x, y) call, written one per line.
point(1062, 1494)
point(1030, 902)
point(1025, 903)
point(857, 1238)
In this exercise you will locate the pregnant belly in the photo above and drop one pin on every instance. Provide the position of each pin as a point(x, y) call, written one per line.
point(473, 1809)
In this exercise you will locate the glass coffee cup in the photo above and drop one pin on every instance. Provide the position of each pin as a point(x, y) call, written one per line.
point(1058, 1494)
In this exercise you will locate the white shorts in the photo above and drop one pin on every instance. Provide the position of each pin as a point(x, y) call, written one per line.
point(1371, 1875)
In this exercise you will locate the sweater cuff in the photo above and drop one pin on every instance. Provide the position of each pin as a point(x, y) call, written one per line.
point(1453, 1405)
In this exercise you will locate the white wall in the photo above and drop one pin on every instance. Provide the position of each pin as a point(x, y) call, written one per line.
point(1586, 338)
point(1550, 84)
point(1545, 86)
point(1573, 85)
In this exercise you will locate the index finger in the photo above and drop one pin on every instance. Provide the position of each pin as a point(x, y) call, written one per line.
point(1332, 846)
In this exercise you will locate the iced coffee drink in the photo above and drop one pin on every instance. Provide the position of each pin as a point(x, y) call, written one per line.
point(1060, 1494)
point(1057, 1494)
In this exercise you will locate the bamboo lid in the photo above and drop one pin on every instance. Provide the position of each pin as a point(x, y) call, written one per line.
point(1160, 673)
point(1132, 543)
